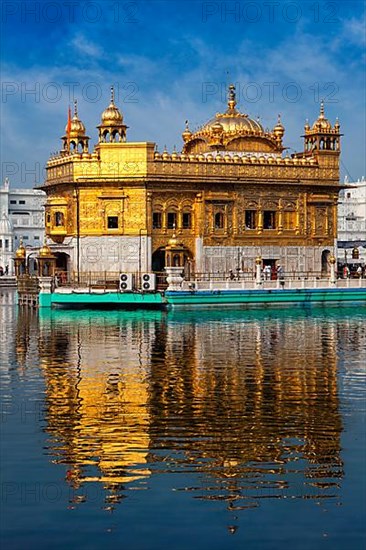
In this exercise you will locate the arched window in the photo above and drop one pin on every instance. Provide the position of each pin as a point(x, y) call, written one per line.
point(157, 220)
point(171, 220)
point(269, 219)
point(186, 220)
point(250, 219)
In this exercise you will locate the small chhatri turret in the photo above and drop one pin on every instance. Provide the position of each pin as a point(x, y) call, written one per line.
point(321, 136)
point(111, 129)
point(75, 139)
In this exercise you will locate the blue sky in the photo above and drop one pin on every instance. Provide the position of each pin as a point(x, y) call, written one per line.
point(171, 61)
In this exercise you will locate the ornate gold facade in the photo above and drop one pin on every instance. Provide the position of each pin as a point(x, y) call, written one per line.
point(230, 192)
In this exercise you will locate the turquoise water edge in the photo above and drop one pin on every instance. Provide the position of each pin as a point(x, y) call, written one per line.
point(183, 428)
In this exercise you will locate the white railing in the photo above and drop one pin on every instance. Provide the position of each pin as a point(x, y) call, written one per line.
point(287, 283)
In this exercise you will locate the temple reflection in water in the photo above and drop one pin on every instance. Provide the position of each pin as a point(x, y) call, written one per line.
point(246, 409)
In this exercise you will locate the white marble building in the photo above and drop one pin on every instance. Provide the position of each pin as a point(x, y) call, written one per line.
point(21, 216)
point(352, 221)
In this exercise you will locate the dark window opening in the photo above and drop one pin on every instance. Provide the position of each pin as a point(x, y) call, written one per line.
point(48, 218)
point(269, 219)
point(112, 222)
point(21, 202)
point(59, 219)
point(172, 220)
point(219, 220)
point(13, 202)
point(250, 219)
point(186, 220)
point(157, 220)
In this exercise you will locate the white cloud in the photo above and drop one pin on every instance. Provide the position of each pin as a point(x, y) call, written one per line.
point(83, 46)
point(165, 99)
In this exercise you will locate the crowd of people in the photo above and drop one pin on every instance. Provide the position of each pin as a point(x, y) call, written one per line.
point(346, 271)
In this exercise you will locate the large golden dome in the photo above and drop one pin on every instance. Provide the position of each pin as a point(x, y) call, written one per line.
point(233, 131)
point(232, 120)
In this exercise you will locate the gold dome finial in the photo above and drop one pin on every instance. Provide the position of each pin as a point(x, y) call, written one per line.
point(173, 241)
point(279, 129)
point(186, 135)
point(322, 123)
point(20, 253)
point(322, 115)
point(45, 249)
point(74, 127)
point(231, 97)
point(111, 116)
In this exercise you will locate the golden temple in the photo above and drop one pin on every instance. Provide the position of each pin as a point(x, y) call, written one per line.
point(233, 193)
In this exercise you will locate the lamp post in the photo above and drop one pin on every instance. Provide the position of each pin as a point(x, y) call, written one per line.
point(258, 271)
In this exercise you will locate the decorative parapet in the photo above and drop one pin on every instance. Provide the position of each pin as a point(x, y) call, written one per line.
point(235, 159)
point(244, 167)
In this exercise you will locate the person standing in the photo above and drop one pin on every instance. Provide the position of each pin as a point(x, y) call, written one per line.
point(281, 275)
point(267, 272)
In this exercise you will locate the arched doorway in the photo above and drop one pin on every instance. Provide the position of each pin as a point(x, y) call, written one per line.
point(158, 259)
point(62, 266)
point(325, 262)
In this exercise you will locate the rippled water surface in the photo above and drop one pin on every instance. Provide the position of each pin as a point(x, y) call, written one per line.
point(183, 430)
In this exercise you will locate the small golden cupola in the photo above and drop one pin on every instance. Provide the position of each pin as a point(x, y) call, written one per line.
point(279, 130)
point(45, 250)
point(20, 260)
point(111, 129)
point(20, 252)
point(187, 134)
point(75, 139)
point(234, 132)
point(321, 136)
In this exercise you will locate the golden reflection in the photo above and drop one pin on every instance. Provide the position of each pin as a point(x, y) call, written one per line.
point(248, 403)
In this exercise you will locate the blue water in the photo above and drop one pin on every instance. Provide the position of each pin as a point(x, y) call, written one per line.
point(209, 429)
